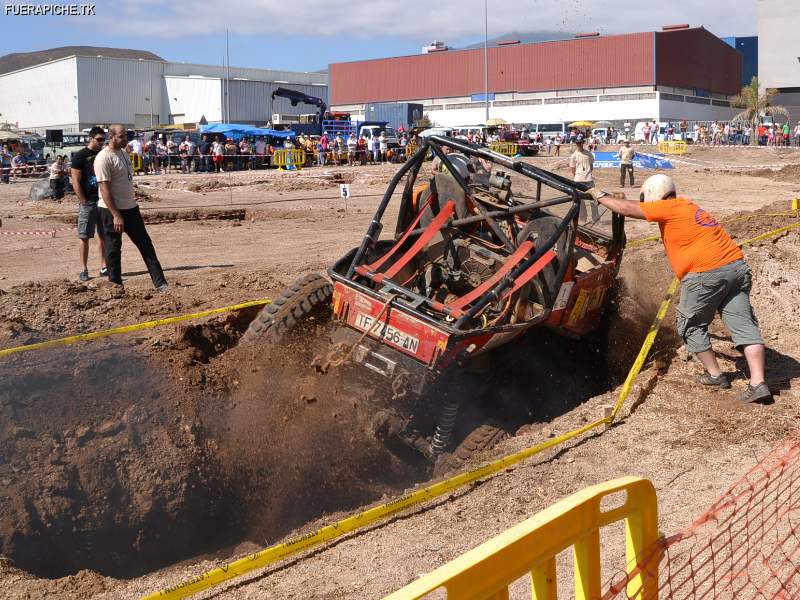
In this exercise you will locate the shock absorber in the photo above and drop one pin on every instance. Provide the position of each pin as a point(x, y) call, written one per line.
point(444, 427)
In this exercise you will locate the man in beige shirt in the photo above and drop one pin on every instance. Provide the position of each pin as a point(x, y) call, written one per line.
point(119, 210)
point(626, 155)
point(582, 163)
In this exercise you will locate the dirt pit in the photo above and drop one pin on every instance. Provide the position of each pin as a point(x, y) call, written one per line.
point(123, 458)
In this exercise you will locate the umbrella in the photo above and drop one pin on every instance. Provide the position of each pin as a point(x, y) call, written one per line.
point(495, 122)
point(581, 124)
point(603, 124)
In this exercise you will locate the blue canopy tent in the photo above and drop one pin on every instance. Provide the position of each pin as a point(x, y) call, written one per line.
point(236, 131)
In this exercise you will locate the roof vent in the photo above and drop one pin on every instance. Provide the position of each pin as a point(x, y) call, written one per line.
point(674, 27)
point(508, 42)
point(588, 34)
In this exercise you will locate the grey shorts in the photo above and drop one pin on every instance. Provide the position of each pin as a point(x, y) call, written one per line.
point(725, 290)
point(88, 218)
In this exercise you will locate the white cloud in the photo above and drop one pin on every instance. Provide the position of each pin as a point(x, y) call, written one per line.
point(420, 20)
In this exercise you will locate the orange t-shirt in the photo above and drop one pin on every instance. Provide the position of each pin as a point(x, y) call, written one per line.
point(693, 240)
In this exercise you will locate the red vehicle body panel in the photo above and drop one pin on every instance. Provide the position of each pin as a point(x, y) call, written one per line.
point(349, 303)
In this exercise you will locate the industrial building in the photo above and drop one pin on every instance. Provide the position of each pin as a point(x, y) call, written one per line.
point(677, 73)
point(779, 51)
point(76, 92)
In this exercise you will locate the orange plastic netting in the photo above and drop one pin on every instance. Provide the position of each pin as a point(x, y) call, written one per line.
point(746, 545)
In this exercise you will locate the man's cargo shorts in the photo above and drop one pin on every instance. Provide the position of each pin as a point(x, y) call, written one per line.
point(88, 220)
point(725, 290)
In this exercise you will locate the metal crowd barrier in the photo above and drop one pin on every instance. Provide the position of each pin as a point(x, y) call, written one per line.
point(509, 149)
point(672, 147)
point(290, 159)
point(531, 548)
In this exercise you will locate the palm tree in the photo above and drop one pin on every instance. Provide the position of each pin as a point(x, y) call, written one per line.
point(756, 105)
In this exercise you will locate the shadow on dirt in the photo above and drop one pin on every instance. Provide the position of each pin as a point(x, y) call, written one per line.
point(100, 467)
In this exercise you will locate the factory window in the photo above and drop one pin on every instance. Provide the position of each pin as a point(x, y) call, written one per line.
point(432, 106)
point(570, 100)
point(675, 97)
point(696, 100)
point(623, 97)
point(720, 103)
point(529, 102)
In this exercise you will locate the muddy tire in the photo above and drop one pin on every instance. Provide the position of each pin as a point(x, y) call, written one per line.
point(307, 299)
point(482, 438)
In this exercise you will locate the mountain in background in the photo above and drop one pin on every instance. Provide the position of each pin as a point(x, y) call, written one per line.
point(22, 60)
point(526, 36)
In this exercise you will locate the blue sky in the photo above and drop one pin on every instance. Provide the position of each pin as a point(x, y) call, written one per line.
point(307, 35)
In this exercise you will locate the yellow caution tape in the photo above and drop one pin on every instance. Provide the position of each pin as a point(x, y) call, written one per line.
point(273, 554)
point(127, 328)
point(770, 234)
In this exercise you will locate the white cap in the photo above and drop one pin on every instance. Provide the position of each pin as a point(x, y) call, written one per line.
point(657, 187)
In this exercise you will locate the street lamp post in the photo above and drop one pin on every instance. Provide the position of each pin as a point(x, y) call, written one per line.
point(486, 56)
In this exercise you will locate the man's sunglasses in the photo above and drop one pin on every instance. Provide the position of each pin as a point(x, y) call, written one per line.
point(100, 139)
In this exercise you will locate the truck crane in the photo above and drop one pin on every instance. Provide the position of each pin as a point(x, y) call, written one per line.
point(334, 122)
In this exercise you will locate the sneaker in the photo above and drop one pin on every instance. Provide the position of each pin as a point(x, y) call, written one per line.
point(83, 276)
point(754, 393)
point(720, 381)
point(104, 272)
point(164, 287)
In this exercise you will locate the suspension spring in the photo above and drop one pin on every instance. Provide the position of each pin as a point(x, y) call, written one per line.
point(444, 427)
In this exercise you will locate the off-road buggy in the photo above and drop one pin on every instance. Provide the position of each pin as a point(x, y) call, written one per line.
point(471, 266)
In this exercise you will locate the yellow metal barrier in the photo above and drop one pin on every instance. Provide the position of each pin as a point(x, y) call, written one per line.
point(410, 149)
point(505, 148)
point(290, 158)
point(136, 163)
point(672, 147)
point(532, 546)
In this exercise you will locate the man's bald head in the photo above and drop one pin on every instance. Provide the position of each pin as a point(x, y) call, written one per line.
point(117, 137)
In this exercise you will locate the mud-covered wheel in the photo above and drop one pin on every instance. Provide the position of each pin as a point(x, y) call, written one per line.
point(307, 300)
point(482, 438)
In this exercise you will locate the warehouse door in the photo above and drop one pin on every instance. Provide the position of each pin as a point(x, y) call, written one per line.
point(144, 122)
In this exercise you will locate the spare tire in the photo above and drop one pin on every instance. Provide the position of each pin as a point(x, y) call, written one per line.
point(307, 300)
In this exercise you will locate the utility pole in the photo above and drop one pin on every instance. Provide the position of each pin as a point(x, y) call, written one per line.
point(151, 100)
point(486, 56)
point(228, 76)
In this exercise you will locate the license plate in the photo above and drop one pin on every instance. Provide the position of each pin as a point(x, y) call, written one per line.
point(385, 331)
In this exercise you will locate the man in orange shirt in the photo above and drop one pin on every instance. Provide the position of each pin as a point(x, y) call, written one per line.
point(714, 278)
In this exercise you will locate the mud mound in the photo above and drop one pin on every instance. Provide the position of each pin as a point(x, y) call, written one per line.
point(789, 173)
point(294, 443)
point(35, 311)
point(100, 467)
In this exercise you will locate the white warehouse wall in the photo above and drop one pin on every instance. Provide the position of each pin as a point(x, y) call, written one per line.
point(193, 98)
point(42, 97)
point(779, 43)
point(115, 90)
point(76, 92)
point(549, 113)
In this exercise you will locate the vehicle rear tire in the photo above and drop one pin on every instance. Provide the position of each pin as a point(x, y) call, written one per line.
point(484, 437)
point(307, 300)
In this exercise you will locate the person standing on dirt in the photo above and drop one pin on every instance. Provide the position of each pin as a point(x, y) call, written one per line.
point(204, 150)
point(57, 174)
point(581, 162)
point(120, 212)
point(714, 278)
point(84, 182)
point(5, 164)
point(626, 155)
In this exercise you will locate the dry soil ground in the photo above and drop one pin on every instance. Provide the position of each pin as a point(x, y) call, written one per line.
point(132, 463)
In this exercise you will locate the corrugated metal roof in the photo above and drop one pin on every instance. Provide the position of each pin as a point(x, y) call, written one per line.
point(612, 61)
